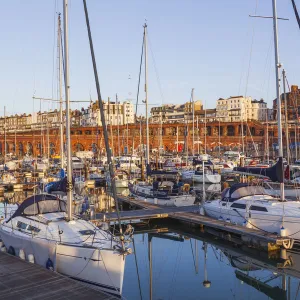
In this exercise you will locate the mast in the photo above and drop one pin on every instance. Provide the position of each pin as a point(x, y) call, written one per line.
point(242, 127)
point(15, 142)
point(267, 140)
point(277, 66)
point(41, 122)
point(161, 146)
point(105, 133)
point(68, 125)
point(186, 142)
point(48, 141)
point(286, 119)
point(177, 141)
point(110, 127)
point(127, 144)
point(193, 111)
point(141, 148)
point(205, 130)
point(219, 140)
point(146, 94)
point(198, 135)
point(118, 125)
point(4, 135)
point(61, 125)
point(296, 150)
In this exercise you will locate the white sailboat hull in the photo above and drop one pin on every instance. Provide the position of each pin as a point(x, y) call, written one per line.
point(186, 175)
point(270, 221)
point(184, 200)
point(101, 268)
point(208, 178)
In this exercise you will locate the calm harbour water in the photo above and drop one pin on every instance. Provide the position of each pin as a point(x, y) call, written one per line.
point(193, 269)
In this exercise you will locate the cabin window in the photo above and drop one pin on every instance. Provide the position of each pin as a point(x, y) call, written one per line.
point(21, 225)
point(33, 229)
point(238, 205)
point(258, 208)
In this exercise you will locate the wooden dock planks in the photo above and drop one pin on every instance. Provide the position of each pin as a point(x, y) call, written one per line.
point(250, 236)
point(140, 214)
point(228, 227)
point(20, 280)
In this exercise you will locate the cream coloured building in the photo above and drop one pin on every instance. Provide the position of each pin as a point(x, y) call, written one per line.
point(239, 108)
point(115, 114)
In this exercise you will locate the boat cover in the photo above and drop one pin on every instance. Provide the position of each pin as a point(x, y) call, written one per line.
point(275, 173)
point(240, 190)
point(39, 204)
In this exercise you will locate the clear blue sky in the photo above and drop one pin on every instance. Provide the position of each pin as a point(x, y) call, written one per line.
point(195, 43)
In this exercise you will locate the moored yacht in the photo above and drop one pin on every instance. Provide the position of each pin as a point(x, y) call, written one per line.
point(207, 176)
point(251, 205)
point(75, 248)
point(164, 193)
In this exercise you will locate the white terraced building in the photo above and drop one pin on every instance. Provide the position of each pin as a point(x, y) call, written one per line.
point(115, 114)
point(239, 108)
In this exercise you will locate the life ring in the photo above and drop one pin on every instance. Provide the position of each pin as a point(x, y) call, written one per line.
point(186, 187)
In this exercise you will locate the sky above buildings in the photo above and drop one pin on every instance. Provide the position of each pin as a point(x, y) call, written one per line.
point(211, 46)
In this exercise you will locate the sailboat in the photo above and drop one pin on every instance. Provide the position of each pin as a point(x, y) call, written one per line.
point(44, 228)
point(251, 206)
point(166, 193)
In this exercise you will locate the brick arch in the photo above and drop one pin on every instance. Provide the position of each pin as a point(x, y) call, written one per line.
point(29, 148)
point(94, 147)
point(78, 147)
point(52, 149)
point(38, 148)
point(10, 147)
point(20, 149)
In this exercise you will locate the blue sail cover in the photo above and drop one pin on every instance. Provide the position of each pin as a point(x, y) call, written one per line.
point(275, 173)
point(57, 186)
point(38, 204)
point(197, 161)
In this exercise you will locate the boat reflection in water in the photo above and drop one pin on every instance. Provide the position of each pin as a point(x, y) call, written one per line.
point(171, 263)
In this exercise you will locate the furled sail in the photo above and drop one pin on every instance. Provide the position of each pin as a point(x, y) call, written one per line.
point(275, 173)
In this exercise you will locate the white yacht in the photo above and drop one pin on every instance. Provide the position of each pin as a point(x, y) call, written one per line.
point(76, 248)
point(77, 163)
point(251, 205)
point(42, 164)
point(162, 194)
point(209, 176)
point(121, 179)
point(129, 163)
point(8, 178)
